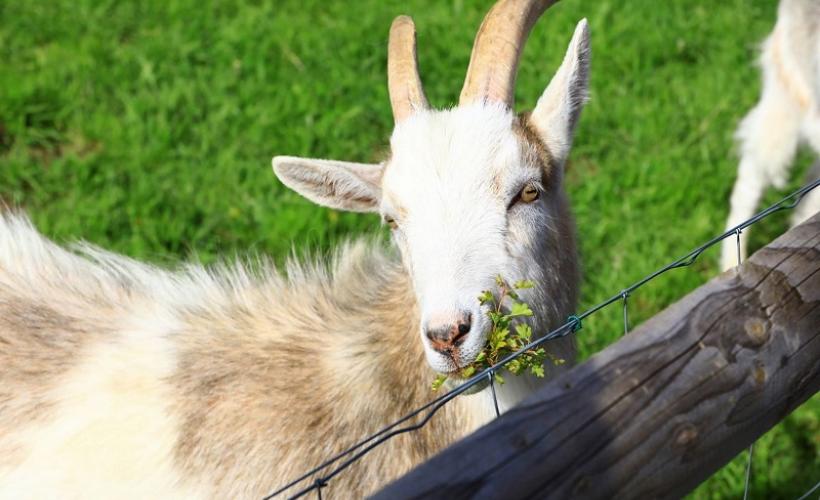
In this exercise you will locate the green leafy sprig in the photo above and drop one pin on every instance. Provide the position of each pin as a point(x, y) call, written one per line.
point(508, 335)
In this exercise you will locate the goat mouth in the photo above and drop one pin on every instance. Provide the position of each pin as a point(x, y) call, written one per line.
point(458, 363)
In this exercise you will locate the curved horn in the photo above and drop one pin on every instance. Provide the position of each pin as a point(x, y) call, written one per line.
point(497, 48)
point(403, 82)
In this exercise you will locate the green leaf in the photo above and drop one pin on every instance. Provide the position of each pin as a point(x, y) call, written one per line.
point(520, 309)
point(524, 331)
point(439, 381)
point(521, 284)
point(507, 335)
point(555, 361)
point(503, 322)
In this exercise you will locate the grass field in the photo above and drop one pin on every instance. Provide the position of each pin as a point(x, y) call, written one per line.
point(148, 128)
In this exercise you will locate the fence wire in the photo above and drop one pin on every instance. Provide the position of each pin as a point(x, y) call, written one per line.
point(323, 473)
point(751, 446)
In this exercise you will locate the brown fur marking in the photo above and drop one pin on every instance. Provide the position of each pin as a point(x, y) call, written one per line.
point(526, 132)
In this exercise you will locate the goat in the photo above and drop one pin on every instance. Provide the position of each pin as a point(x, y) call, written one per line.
point(119, 379)
point(788, 112)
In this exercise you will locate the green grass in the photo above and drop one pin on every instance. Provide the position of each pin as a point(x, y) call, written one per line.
point(148, 127)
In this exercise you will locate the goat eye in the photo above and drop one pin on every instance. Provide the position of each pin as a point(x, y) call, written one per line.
point(390, 221)
point(529, 194)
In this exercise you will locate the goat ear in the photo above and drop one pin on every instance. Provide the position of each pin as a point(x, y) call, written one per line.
point(336, 184)
point(559, 107)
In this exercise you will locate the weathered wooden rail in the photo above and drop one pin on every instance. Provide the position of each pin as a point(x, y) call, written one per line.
point(659, 411)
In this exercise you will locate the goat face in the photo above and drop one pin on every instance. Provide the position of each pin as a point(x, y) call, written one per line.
point(469, 192)
point(467, 196)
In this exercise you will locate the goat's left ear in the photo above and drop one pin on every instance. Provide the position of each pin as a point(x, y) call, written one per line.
point(560, 105)
point(355, 187)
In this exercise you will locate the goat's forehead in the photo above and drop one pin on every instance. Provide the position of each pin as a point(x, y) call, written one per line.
point(465, 146)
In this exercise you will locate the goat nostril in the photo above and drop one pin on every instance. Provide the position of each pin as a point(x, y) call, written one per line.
point(446, 336)
point(439, 335)
point(462, 330)
point(464, 324)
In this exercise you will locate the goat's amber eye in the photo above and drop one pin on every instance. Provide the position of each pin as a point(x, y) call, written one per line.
point(529, 194)
point(390, 221)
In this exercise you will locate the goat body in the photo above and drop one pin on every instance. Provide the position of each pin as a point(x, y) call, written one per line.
point(787, 114)
point(121, 380)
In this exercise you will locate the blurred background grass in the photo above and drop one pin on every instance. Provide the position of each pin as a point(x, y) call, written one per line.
point(148, 128)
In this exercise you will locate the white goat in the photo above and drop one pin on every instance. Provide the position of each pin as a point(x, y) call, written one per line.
point(788, 112)
point(119, 380)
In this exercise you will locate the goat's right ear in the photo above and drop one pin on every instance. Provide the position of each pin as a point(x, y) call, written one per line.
point(342, 185)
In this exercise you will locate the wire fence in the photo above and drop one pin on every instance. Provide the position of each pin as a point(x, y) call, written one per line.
point(320, 476)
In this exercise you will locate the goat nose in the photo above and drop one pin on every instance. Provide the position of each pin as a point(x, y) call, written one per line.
point(445, 336)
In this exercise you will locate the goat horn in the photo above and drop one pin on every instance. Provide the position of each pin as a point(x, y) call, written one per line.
point(497, 48)
point(403, 82)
